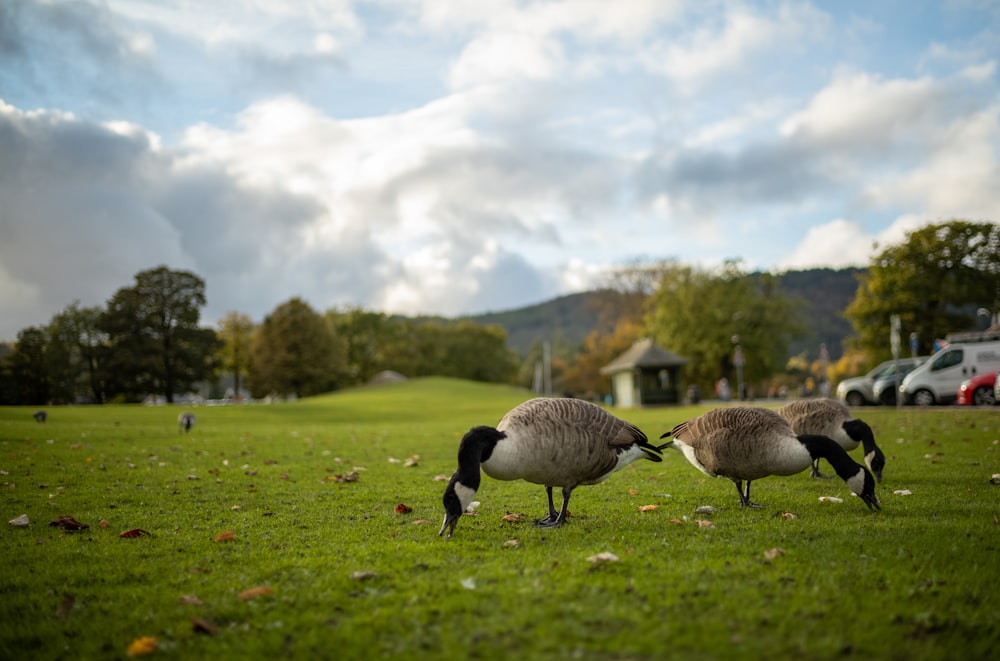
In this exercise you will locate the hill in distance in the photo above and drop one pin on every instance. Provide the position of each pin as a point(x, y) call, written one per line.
point(825, 292)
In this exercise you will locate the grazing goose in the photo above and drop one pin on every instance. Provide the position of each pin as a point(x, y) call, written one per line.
point(831, 417)
point(549, 441)
point(185, 421)
point(747, 443)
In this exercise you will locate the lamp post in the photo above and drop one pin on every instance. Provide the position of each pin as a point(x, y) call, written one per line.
point(738, 360)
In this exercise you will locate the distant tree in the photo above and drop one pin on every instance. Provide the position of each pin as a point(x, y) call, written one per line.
point(369, 339)
point(701, 314)
point(235, 334)
point(154, 342)
point(294, 352)
point(935, 280)
point(599, 349)
point(27, 368)
point(76, 349)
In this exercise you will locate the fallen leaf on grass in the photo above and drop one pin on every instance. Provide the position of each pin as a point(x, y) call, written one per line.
point(136, 532)
point(902, 492)
point(68, 523)
point(417, 522)
point(142, 646)
point(199, 625)
point(776, 552)
point(704, 524)
point(65, 606)
point(469, 583)
point(789, 515)
point(363, 575)
point(511, 517)
point(253, 593)
point(602, 557)
point(403, 509)
point(705, 509)
point(225, 536)
point(411, 461)
point(441, 478)
point(20, 522)
point(350, 476)
point(830, 499)
point(191, 600)
point(633, 492)
point(676, 522)
point(648, 508)
point(104, 523)
point(512, 543)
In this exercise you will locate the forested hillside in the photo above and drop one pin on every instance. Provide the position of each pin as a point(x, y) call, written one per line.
point(568, 319)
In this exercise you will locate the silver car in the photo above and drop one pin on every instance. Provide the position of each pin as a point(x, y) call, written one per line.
point(884, 389)
point(859, 390)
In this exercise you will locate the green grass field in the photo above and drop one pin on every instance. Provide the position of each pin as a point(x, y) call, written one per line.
point(344, 575)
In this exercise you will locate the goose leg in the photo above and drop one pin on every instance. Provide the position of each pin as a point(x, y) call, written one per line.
point(744, 496)
point(815, 472)
point(555, 519)
point(552, 519)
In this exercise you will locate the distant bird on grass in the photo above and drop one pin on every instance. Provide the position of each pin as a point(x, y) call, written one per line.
point(185, 421)
point(831, 417)
point(748, 443)
point(40, 416)
point(554, 442)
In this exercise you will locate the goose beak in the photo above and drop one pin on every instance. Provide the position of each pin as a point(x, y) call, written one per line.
point(871, 501)
point(448, 524)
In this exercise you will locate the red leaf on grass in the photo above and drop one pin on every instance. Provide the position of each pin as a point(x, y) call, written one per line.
point(136, 532)
point(403, 509)
point(226, 536)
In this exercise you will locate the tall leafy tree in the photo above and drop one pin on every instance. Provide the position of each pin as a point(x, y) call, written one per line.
point(294, 352)
point(702, 314)
point(235, 334)
point(75, 356)
point(935, 280)
point(154, 340)
point(27, 368)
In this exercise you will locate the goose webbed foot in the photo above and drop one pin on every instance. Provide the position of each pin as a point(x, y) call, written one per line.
point(549, 522)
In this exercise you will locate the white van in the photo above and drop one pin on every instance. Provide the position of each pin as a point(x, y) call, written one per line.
point(937, 380)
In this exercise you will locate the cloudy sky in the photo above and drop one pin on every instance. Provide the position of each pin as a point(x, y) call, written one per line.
point(438, 156)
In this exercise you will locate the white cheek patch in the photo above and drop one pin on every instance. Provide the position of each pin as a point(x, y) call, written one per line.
point(465, 494)
point(857, 483)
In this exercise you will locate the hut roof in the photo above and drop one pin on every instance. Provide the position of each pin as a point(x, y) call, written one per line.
point(644, 354)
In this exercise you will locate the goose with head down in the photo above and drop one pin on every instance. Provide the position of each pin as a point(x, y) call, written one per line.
point(831, 417)
point(554, 442)
point(745, 444)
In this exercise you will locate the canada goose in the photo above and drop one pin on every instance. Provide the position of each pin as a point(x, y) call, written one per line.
point(186, 421)
point(554, 442)
point(747, 443)
point(831, 417)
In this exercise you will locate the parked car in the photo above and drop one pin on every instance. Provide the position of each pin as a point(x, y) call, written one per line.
point(937, 380)
point(858, 391)
point(885, 388)
point(979, 390)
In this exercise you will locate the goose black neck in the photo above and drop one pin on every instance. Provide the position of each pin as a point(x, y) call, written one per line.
point(476, 447)
point(860, 431)
point(824, 447)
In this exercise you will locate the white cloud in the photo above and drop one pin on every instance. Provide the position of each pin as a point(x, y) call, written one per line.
point(841, 243)
point(744, 33)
